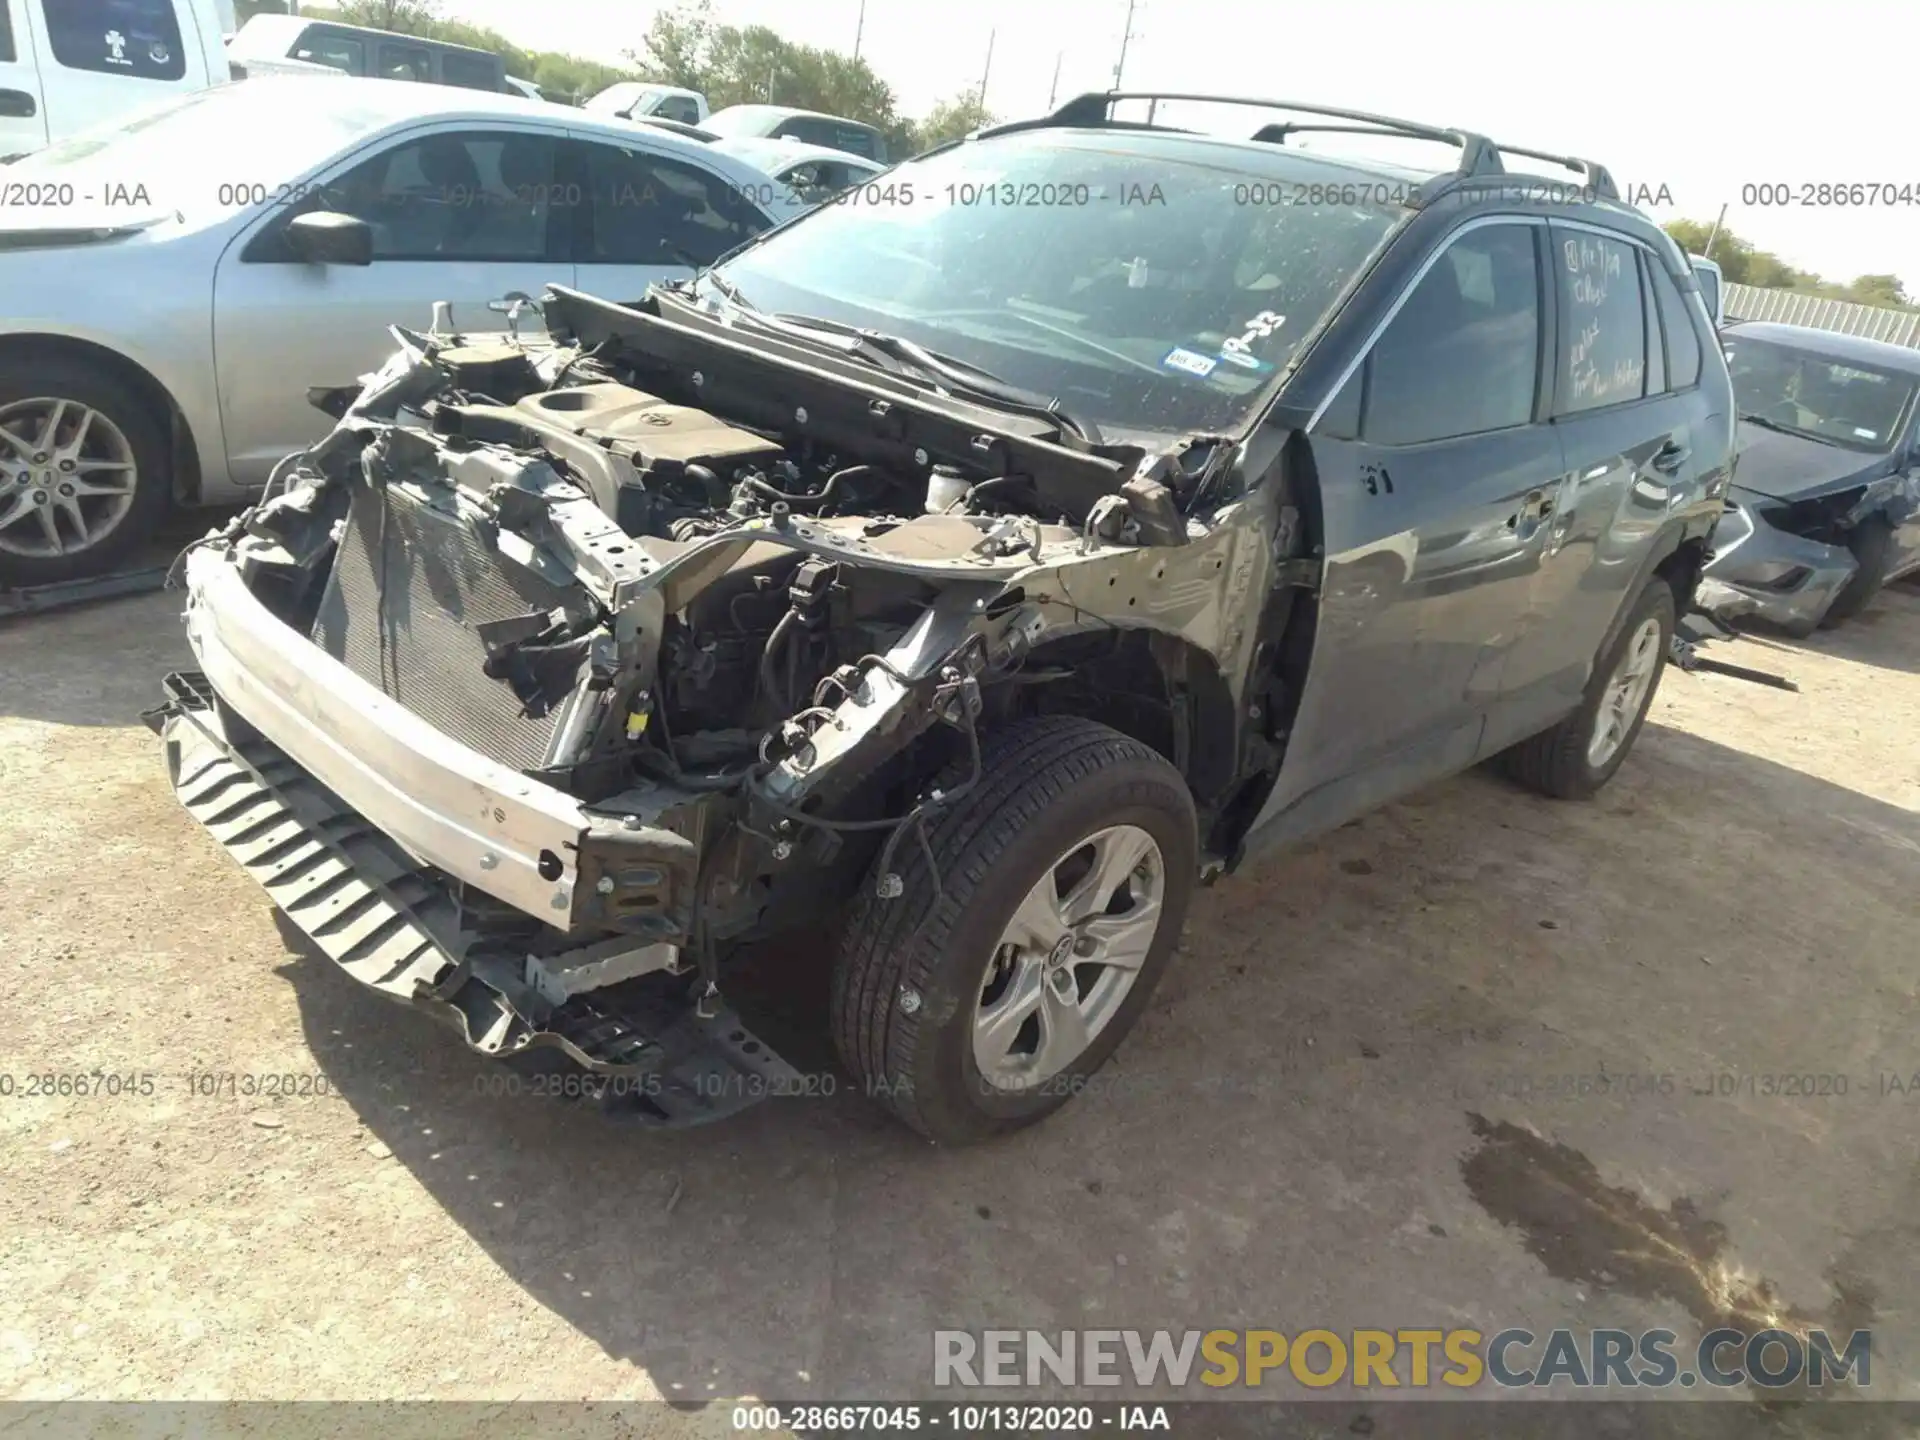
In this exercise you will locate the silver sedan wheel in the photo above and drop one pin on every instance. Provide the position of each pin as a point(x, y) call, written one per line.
point(67, 477)
point(1069, 957)
point(1626, 692)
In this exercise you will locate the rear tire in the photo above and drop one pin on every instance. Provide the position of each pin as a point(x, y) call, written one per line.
point(1872, 547)
point(924, 982)
point(101, 480)
point(1569, 762)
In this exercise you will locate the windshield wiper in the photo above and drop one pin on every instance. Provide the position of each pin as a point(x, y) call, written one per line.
point(727, 289)
point(1766, 424)
point(961, 376)
point(915, 360)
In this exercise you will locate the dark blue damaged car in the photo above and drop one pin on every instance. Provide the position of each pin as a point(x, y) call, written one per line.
point(1825, 503)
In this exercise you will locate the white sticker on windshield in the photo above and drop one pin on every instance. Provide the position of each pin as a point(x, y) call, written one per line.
point(1258, 328)
point(1190, 361)
point(1866, 434)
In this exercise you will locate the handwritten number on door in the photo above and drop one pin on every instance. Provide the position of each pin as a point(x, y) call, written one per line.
point(1376, 479)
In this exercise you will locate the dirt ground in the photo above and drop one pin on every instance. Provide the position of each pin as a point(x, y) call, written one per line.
point(1345, 1108)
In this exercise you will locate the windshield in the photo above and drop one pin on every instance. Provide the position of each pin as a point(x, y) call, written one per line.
point(1148, 292)
point(157, 158)
point(1815, 396)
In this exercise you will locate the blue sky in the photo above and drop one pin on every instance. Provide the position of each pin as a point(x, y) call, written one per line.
point(1701, 98)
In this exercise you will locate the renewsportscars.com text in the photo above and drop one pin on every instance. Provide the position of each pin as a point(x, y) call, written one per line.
point(1395, 1359)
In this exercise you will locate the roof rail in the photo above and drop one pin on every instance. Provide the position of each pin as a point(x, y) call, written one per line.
point(1478, 154)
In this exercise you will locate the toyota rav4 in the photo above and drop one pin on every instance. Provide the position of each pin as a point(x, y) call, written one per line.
point(973, 565)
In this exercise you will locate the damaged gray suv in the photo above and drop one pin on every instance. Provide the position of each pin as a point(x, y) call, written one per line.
point(974, 565)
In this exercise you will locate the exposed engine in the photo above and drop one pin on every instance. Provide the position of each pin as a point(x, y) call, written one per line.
point(756, 652)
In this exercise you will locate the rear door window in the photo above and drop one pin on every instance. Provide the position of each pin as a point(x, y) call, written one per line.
point(833, 134)
point(1656, 351)
point(650, 210)
point(404, 62)
point(1462, 355)
point(330, 48)
point(679, 107)
point(1683, 341)
point(470, 72)
point(137, 38)
point(1602, 352)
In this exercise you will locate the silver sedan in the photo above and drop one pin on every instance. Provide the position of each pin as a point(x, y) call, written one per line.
point(171, 285)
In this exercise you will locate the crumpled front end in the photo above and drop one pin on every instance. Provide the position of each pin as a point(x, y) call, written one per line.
point(1763, 570)
point(535, 693)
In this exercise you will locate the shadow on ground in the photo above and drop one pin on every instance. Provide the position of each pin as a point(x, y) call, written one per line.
point(1308, 1058)
point(124, 665)
point(1881, 635)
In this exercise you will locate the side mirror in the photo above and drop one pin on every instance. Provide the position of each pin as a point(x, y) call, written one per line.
point(324, 237)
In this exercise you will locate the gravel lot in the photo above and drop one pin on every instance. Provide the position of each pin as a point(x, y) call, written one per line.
point(1341, 1112)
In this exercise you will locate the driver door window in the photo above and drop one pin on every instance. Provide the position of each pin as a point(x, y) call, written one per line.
point(470, 196)
point(458, 216)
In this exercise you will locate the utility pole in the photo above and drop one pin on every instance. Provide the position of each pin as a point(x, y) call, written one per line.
point(1054, 89)
point(859, 27)
point(1124, 38)
point(1714, 234)
point(986, 72)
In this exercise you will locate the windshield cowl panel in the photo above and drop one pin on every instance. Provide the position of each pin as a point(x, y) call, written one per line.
point(1156, 286)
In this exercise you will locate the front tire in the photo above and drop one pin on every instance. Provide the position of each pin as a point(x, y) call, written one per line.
point(1575, 758)
point(981, 1006)
point(84, 471)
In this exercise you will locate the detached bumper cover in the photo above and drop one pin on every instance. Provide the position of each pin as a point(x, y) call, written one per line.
point(1759, 570)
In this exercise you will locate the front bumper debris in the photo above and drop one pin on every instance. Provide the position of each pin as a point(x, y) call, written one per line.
point(394, 924)
point(1762, 571)
point(493, 828)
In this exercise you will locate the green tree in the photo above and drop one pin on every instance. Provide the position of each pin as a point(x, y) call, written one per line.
point(951, 119)
point(752, 64)
point(245, 10)
point(1745, 264)
point(1880, 290)
point(409, 17)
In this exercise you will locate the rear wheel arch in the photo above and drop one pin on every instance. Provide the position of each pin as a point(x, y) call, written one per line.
point(184, 447)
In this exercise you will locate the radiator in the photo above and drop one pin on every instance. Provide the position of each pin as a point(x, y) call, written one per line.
point(439, 580)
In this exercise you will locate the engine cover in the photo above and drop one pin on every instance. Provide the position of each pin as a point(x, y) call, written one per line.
point(660, 440)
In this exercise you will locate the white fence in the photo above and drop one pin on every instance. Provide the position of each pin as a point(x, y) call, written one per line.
point(1896, 327)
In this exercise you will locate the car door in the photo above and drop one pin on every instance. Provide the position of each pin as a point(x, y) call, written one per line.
point(23, 106)
point(652, 216)
point(1627, 438)
point(1430, 463)
point(467, 215)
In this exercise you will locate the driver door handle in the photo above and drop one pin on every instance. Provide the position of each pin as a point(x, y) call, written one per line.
point(1670, 457)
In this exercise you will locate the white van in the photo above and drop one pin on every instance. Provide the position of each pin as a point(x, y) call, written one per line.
point(68, 65)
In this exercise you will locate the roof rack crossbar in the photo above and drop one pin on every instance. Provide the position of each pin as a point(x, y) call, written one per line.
point(1478, 155)
point(1596, 174)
